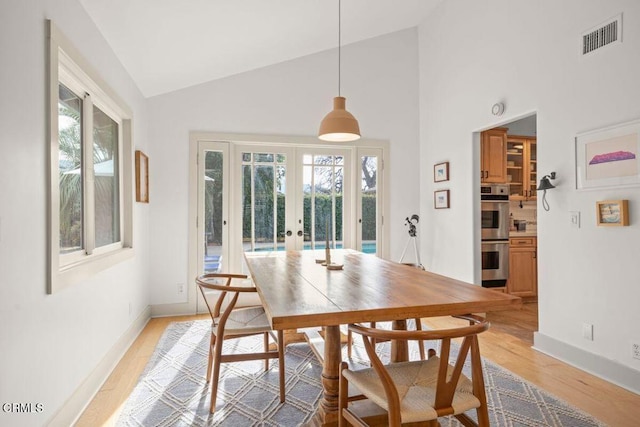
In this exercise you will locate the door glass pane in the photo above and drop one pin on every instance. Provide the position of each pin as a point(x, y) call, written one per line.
point(263, 201)
point(533, 170)
point(71, 170)
point(322, 206)
point(213, 205)
point(369, 167)
point(263, 158)
point(323, 194)
point(107, 184)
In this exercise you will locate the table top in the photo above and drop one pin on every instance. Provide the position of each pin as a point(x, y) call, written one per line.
point(297, 292)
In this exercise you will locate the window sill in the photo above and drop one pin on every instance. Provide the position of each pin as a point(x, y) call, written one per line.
point(84, 269)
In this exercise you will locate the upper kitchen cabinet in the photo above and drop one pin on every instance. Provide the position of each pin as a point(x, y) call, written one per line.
point(521, 167)
point(493, 154)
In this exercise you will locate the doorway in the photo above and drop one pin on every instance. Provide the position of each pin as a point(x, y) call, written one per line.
point(519, 154)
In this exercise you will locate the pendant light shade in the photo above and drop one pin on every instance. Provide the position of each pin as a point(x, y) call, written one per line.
point(339, 124)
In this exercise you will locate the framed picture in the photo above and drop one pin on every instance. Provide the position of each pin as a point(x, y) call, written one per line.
point(142, 177)
point(612, 213)
point(608, 157)
point(441, 199)
point(441, 172)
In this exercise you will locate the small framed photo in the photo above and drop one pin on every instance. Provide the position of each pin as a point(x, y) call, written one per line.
point(142, 177)
point(612, 213)
point(441, 172)
point(441, 199)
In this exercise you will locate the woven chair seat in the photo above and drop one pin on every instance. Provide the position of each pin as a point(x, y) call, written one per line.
point(246, 321)
point(416, 385)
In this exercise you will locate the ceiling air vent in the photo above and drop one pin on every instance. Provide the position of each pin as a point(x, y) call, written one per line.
point(609, 32)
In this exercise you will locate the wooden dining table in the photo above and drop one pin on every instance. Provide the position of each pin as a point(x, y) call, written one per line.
point(297, 292)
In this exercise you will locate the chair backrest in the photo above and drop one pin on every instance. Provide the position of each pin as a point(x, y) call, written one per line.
point(212, 281)
point(447, 379)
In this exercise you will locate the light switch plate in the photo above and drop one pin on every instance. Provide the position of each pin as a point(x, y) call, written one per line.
point(574, 217)
point(587, 331)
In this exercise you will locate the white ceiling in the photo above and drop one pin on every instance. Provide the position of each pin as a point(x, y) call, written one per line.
point(170, 44)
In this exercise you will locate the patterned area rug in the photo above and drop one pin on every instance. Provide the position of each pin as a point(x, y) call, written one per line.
point(172, 389)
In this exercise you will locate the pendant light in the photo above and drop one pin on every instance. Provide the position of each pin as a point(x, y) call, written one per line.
point(339, 124)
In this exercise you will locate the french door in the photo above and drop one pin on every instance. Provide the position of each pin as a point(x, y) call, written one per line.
point(213, 207)
point(256, 196)
point(293, 197)
point(324, 198)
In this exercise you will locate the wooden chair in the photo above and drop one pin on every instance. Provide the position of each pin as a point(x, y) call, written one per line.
point(236, 323)
point(423, 390)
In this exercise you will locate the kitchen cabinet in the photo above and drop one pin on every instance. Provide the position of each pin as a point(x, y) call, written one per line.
point(493, 155)
point(523, 267)
point(522, 167)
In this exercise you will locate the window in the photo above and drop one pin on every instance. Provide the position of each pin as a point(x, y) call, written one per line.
point(90, 135)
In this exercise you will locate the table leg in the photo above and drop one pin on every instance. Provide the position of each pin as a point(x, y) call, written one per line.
point(327, 412)
point(399, 348)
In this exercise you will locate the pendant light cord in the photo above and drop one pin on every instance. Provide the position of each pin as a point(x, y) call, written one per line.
point(339, 43)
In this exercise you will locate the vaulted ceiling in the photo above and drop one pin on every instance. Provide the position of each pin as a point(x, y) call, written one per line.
point(167, 45)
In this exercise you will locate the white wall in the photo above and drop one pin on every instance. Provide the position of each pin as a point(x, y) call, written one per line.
point(473, 54)
point(49, 344)
point(380, 82)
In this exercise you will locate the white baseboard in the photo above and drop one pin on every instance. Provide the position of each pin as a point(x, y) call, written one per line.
point(607, 369)
point(177, 309)
point(69, 413)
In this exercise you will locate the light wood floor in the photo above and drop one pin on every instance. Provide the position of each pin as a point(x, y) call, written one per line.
point(507, 343)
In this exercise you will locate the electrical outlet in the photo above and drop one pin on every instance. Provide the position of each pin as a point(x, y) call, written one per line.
point(587, 331)
point(635, 350)
point(180, 288)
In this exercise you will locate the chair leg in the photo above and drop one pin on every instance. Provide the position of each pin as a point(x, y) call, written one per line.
point(478, 383)
point(373, 340)
point(420, 342)
point(349, 343)
point(216, 373)
point(212, 342)
point(280, 344)
point(343, 396)
point(266, 349)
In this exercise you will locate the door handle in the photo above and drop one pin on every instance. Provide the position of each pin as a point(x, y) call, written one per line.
point(289, 233)
point(300, 233)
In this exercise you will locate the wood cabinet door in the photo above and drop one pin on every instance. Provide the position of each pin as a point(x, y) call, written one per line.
point(494, 156)
point(523, 272)
point(522, 167)
point(531, 169)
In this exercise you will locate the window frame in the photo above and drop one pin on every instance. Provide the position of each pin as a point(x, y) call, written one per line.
point(68, 67)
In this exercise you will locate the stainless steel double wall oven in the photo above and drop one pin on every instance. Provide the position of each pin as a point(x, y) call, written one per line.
point(494, 201)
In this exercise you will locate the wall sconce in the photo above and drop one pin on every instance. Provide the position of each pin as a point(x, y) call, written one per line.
point(545, 185)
